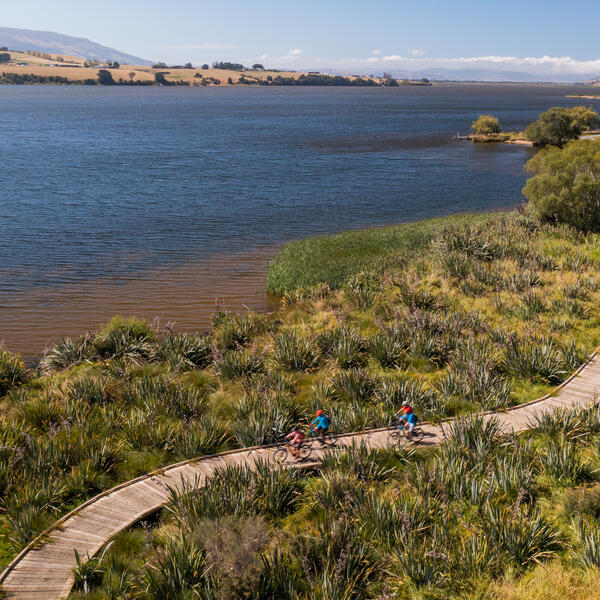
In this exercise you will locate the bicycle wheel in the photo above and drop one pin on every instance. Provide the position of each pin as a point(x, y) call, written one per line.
point(330, 438)
point(304, 451)
point(280, 455)
point(417, 435)
point(395, 438)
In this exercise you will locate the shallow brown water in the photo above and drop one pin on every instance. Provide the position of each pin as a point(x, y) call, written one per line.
point(184, 297)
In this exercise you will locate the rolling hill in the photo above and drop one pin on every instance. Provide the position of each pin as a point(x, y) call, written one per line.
point(57, 43)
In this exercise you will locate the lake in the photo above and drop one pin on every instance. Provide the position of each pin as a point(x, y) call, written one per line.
point(158, 201)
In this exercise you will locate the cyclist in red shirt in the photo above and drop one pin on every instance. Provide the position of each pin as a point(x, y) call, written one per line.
point(296, 437)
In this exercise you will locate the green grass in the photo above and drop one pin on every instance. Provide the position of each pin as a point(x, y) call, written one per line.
point(333, 259)
point(456, 315)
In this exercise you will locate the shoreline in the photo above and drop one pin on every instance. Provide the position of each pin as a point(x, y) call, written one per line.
point(185, 297)
point(584, 96)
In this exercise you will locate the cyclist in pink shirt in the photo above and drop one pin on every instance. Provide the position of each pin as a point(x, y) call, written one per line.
point(296, 437)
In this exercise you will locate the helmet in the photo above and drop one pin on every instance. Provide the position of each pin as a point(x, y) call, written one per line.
point(405, 403)
point(319, 413)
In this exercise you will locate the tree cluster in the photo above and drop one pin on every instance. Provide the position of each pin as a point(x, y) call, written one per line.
point(559, 125)
point(319, 80)
point(27, 78)
point(229, 66)
point(486, 125)
point(565, 187)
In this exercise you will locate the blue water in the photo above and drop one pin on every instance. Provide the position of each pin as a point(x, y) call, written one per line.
point(102, 182)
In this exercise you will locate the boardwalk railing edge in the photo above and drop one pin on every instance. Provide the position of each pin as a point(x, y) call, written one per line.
point(57, 524)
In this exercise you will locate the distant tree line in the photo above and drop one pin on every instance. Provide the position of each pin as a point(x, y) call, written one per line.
point(319, 80)
point(228, 66)
point(45, 55)
point(162, 65)
point(27, 78)
point(105, 77)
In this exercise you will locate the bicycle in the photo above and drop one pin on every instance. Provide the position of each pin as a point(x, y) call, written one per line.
point(400, 433)
point(330, 438)
point(284, 452)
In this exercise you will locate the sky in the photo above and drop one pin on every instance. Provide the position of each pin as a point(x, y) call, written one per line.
point(366, 36)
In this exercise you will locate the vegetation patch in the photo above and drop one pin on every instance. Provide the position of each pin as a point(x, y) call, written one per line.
point(454, 315)
point(475, 518)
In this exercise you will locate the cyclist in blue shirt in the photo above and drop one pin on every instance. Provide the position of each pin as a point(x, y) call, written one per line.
point(407, 414)
point(321, 425)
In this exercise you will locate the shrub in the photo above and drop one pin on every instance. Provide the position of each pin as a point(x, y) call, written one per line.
point(353, 385)
point(525, 536)
point(294, 352)
point(197, 439)
point(233, 551)
point(180, 567)
point(422, 564)
point(563, 462)
point(261, 420)
point(346, 346)
point(587, 549)
point(392, 393)
point(570, 424)
point(486, 124)
point(565, 184)
point(584, 118)
point(161, 396)
point(362, 289)
point(236, 490)
point(553, 127)
point(358, 460)
point(474, 431)
point(43, 412)
point(66, 353)
point(389, 347)
point(234, 364)
point(184, 350)
point(233, 331)
point(12, 371)
point(536, 359)
point(124, 338)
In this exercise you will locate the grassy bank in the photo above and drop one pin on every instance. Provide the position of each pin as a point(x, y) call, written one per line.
point(332, 259)
point(455, 315)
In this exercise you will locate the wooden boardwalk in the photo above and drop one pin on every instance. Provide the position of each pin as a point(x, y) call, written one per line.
point(44, 569)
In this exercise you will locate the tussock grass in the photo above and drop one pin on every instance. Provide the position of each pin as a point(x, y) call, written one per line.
point(456, 315)
point(474, 518)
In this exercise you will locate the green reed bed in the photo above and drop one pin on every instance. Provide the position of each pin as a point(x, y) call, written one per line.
point(454, 315)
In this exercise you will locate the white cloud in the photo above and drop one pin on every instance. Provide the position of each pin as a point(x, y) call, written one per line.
point(416, 52)
point(563, 67)
point(376, 52)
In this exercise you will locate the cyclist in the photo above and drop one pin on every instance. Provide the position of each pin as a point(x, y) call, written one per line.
point(320, 425)
point(296, 437)
point(407, 414)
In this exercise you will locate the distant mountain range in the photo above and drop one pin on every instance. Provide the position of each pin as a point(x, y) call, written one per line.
point(492, 75)
point(57, 43)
